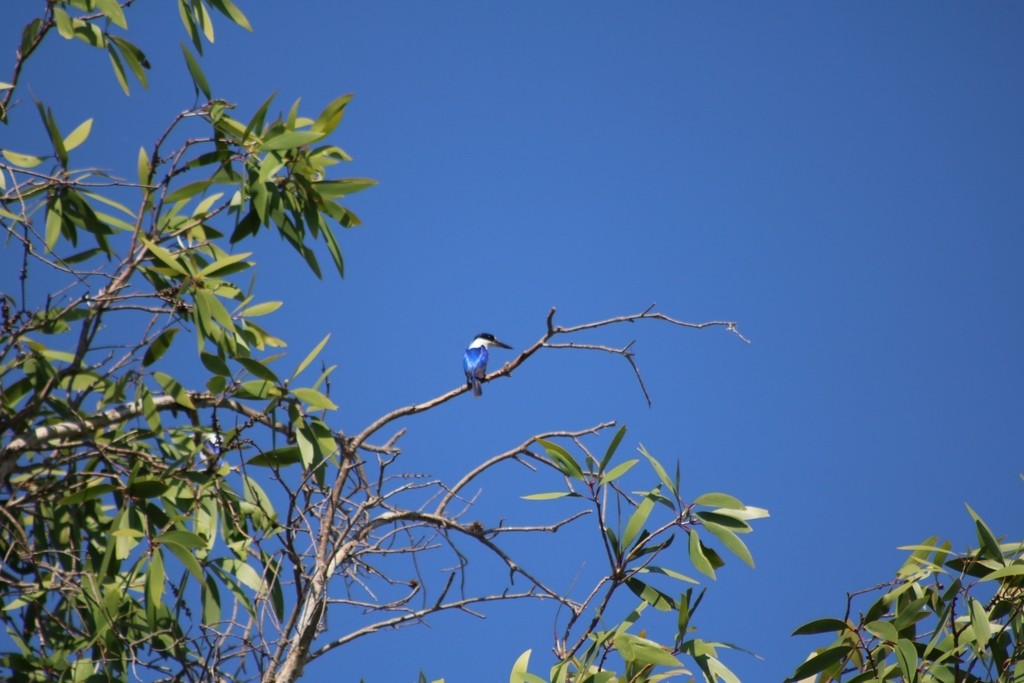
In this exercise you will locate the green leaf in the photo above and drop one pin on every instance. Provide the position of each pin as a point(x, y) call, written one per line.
point(826, 625)
point(883, 629)
point(174, 389)
point(149, 411)
point(214, 308)
point(89, 493)
point(720, 671)
point(118, 67)
point(54, 133)
point(112, 10)
point(257, 388)
point(258, 369)
point(290, 140)
point(204, 18)
point(65, 27)
point(223, 263)
point(54, 223)
point(198, 77)
point(164, 256)
point(78, 135)
point(660, 471)
point(720, 500)
point(215, 364)
point(612, 447)
point(22, 160)
point(986, 539)
point(519, 671)
point(110, 202)
point(311, 356)
point(147, 487)
point(159, 346)
point(906, 658)
point(135, 58)
point(1016, 569)
point(335, 250)
point(125, 537)
point(638, 519)
point(565, 463)
point(228, 9)
point(314, 398)
point(143, 167)
point(342, 188)
point(256, 122)
point(698, 556)
point(726, 520)
point(672, 573)
point(211, 601)
point(731, 541)
point(820, 662)
point(617, 471)
point(155, 577)
point(636, 649)
point(279, 457)
point(186, 539)
point(651, 595)
point(980, 623)
point(262, 309)
point(189, 191)
point(184, 554)
point(330, 117)
point(551, 495)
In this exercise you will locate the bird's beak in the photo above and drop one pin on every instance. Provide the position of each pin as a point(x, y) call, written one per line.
point(502, 344)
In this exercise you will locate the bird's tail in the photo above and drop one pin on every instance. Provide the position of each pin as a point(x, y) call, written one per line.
point(477, 389)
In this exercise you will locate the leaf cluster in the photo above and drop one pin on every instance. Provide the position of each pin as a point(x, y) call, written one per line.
point(946, 617)
point(637, 529)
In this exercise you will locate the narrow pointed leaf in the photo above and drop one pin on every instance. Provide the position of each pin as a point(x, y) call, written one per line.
point(980, 623)
point(820, 662)
point(314, 398)
point(617, 471)
point(826, 625)
point(563, 460)
point(660, 471)
point(612, 447)
point(78, 135)
point(719, 500)
point(22, 160)
point(174, 389)
point(198, 77)
point(906, 658)
point(731, 541)
point(143, 167)
point(228, 9)
point(262, 309)
point(112, 10)
point(311, 356)
point(551, 495)
point(698, 557)
point(638, 519)
point(159, 346)
point(290, 140)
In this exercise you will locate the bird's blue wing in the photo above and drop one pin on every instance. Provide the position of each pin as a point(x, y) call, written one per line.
point(474, 363)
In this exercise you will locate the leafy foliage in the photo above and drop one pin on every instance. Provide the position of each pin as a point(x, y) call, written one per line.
point(634, 542)
point(946, 618)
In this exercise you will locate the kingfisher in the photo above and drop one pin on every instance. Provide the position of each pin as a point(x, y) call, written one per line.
point(474, 361)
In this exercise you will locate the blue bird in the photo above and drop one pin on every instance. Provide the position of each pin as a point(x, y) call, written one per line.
point(474, 361)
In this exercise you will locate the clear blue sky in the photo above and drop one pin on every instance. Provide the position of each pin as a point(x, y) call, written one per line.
point(846, 180)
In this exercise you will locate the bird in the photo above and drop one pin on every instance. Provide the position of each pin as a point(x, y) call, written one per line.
point(474, 361)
